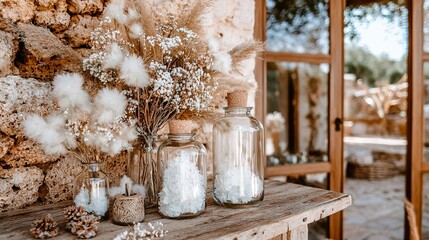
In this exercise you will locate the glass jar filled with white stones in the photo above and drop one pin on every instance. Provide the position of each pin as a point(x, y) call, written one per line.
point(238, 153)
point(182, 172)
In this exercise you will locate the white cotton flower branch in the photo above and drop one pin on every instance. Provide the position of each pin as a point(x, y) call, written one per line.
point(133, 72)
point(103, 129)
point(116, 10)
point(222, 62)
point(135, 188)
point(109, 104)
point(136, 31)
point(114, 57)
point(69, 92)
point(49, 133)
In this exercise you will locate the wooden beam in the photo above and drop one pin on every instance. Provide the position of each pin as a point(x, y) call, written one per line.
point(358, 3)
point(297, 57)
point(425, 167)
point(260, 67)
point(298, 169)
point(336, 102)
point(426, 57)
point(415, 115)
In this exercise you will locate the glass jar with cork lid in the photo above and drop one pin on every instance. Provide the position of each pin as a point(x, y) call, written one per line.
point(182, 172)
point(238, 153)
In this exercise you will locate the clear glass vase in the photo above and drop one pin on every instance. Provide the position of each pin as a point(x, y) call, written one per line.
point(183, 176)
point(142, 167)
point(238, 153)
point(91, 190)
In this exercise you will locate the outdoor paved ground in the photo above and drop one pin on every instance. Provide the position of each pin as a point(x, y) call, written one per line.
point(377, 211)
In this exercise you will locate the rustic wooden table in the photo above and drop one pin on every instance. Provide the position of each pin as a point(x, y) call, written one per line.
point(284, 214)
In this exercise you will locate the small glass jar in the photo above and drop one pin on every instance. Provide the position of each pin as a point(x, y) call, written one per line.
point(238, 153)
point(91, 190)
point(182, 171)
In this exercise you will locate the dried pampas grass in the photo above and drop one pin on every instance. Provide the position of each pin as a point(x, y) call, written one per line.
point(245, 51)
point(193, 18)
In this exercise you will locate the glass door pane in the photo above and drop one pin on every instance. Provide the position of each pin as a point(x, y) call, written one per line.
point(375, 117)
point(426, 25)
point(426, 112)
point(300, 26)
point(297, 113)
point(425, 213)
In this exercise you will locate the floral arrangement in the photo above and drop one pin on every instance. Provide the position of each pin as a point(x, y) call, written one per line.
point(91, 129)
point(160, 61)
point(275, 122)
point(164, 66)
point(149, 67)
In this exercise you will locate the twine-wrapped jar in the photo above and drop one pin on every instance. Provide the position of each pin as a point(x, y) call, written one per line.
point(128, 209)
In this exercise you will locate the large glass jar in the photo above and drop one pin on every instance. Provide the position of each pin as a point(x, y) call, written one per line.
point(142, 166)
point(183, 177)
point(238, 153)
point(90, 190)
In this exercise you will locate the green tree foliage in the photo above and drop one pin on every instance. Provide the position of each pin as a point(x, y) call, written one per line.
point(371, 68)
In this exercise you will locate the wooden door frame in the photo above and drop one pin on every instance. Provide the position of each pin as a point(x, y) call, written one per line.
point(415, 115)
point(336, 102)
point(335, 58)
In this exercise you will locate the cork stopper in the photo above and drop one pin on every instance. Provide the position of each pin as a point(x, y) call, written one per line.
point(237, 99)
point(180, 126)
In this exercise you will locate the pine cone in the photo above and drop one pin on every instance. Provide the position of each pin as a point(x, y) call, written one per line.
point(73, 214)
point(46, 227)
point(86, 226)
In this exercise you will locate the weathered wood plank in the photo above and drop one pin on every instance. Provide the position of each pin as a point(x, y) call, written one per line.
point(286, 207)
point(299, 233)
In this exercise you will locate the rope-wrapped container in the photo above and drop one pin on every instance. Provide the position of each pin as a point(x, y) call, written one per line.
point(128, 209)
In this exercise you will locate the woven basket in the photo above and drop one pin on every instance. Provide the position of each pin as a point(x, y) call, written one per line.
point(375, 171)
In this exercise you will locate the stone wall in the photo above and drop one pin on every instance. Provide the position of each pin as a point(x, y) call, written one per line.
point(47, 37)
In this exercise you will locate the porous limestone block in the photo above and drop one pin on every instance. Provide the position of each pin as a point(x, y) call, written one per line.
point(20, 96)
point(19, 187)
point(83, 52)
point(115, 167)
point(79, 32)
point(57, 21)
point(85, 6)
point(17, 10)
point(45, 4)
point(60, 178)
point(26, 152)
point(230, 27)
point(43, 55)
point(8, 49)
point(6, 143)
